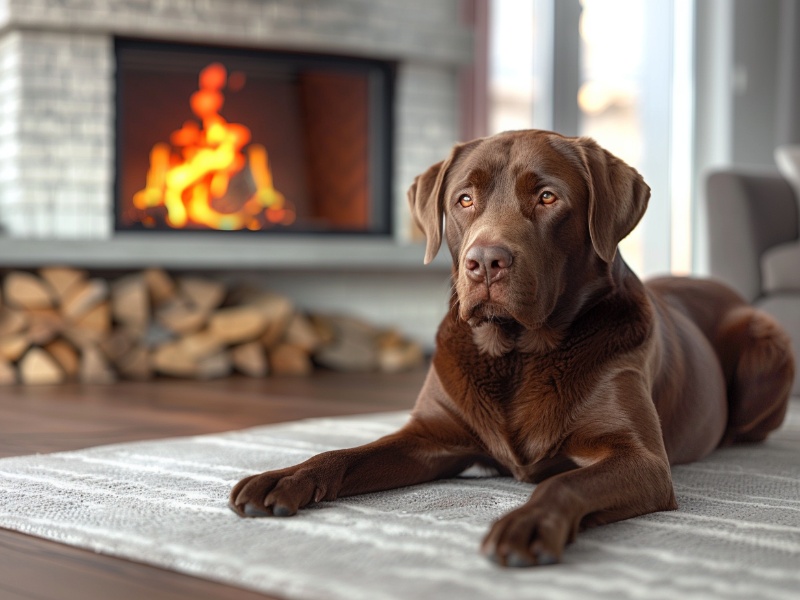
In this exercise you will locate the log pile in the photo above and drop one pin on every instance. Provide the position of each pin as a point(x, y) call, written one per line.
point(61, 324)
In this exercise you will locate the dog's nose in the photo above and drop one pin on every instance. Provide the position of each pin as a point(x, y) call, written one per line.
point(487, 263)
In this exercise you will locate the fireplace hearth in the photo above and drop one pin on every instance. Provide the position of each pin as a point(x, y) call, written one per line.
point(223, 139)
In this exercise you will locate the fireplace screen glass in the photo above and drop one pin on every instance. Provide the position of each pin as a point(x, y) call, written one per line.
point(231, 140)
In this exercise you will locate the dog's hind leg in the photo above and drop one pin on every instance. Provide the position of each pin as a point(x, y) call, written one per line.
point(758, 361)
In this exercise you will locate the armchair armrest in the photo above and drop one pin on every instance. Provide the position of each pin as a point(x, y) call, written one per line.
point(748, 213)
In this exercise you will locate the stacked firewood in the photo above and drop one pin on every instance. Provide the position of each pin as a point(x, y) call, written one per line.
point(60, 324)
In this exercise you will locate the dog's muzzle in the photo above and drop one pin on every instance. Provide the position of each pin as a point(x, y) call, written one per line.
point(487, 263)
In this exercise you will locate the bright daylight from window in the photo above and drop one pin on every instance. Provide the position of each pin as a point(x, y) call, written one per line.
point(641, 115)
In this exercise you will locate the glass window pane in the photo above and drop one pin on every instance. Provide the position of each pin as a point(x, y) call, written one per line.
point(611, 88)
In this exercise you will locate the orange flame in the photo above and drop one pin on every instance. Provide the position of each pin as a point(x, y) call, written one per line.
point(186, 181)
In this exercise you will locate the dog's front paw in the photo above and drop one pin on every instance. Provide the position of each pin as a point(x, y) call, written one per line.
point(526, 537)
point(275, 493)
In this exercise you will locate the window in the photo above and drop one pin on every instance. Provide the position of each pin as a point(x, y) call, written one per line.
point(620, 72)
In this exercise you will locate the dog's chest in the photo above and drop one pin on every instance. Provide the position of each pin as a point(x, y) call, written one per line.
point(519, 407)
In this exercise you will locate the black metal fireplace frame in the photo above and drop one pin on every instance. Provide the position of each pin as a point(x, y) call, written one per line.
point(381, 130)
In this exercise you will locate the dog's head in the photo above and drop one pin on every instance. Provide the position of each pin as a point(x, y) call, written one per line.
point(532, 219)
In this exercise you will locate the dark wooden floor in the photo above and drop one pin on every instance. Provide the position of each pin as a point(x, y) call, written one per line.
point(49, 419)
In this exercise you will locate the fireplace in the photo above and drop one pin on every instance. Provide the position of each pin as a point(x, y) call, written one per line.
point(60, 125)
point(224, 139)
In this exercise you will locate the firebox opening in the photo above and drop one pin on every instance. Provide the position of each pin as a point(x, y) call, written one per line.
point(223, 139)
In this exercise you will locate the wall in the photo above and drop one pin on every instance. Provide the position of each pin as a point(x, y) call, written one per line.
point(62, 146)
point(747, 80)
point(747, 69)
point(788, 113)
point(756, 27)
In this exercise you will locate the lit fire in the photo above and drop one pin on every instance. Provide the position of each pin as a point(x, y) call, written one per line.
point(194, 170)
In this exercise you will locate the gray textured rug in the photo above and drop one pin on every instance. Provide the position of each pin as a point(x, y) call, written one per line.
point(736, 535)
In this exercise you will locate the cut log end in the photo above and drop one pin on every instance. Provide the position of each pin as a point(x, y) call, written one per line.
point(38, 367)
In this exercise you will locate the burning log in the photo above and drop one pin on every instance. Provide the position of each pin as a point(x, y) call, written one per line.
point(187, 175)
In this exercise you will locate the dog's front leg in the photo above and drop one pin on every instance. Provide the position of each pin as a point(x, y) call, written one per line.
point(617, 488)
point(625, 473)
point(404, 458)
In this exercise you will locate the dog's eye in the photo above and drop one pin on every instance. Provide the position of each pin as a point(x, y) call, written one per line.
point(465, 200)
point(547, 197)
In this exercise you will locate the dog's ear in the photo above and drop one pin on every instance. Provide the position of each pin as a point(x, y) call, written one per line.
point(427, 209)
point(426, 199)
point(618, 197)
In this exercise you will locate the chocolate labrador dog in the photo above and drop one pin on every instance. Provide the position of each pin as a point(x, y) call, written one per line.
point(555, 363)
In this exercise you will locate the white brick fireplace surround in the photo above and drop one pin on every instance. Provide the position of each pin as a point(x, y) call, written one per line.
point(57, 103)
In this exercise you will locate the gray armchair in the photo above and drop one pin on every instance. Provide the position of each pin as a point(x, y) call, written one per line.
point(754, 242)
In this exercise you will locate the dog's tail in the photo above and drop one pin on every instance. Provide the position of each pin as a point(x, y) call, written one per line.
point(761, 382)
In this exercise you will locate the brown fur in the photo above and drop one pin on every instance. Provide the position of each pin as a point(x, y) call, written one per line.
point(557, 367)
